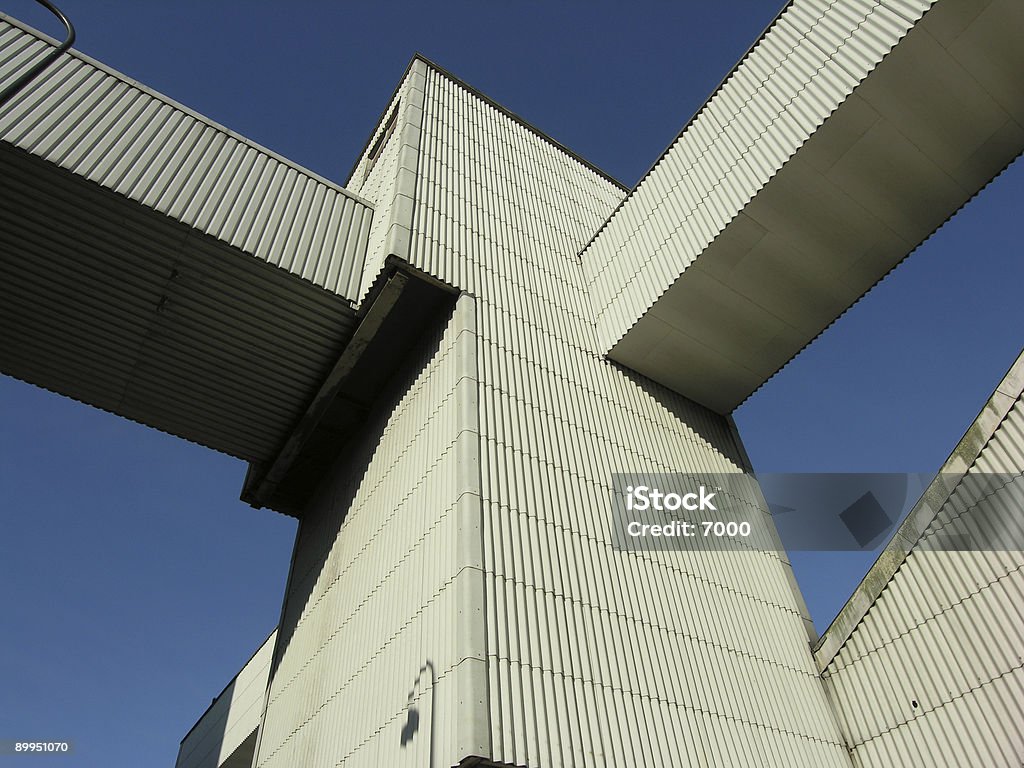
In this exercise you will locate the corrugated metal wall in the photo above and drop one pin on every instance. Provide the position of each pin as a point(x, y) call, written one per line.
point(933, 675)
point(232, 718)
point(389, 178)
point(594, 657)
point(130, 311)
point(373, 605)
point(100, 125)
point(810, 60)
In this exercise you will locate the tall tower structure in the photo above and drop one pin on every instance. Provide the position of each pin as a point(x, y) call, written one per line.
point(457, 558)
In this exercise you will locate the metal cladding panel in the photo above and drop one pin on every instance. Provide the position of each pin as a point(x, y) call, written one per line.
point(387, 177)
point(594, 656)
point(108, 129)
point(232, 718)
point(927, 134)
point(807, 63)
point(932, 672)
point(848, 135)
point(119, 307)
point(373, 641)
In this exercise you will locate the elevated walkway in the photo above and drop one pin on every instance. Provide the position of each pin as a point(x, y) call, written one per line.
point(847, 135)
point(157, 265)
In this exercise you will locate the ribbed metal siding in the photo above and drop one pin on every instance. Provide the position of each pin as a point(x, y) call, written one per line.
point(946, 632)
point(595, 657)
point(232, 717)
point(376, 581)
point(106, 128)
point(129, 311)
point(391, 181)
point(457, 235)
point(811, 59)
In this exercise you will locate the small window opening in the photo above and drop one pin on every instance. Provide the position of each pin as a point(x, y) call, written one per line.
point(378, 145)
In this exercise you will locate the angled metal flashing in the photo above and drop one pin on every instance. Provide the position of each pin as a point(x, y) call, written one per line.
point(903, 540)
point(487, 99)
point(225, 734)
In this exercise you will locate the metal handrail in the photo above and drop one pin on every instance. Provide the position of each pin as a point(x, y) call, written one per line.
point(13, 89)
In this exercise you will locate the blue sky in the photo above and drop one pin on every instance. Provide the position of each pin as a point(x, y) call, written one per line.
point(134, 582)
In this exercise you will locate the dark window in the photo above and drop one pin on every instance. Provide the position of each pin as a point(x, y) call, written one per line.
point(378, 145)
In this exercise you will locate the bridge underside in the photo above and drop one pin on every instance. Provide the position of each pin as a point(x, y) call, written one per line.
point(931, 125)
point(121, 307)
point(161, 292)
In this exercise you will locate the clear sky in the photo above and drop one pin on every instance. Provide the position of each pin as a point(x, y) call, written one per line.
point(134, 584)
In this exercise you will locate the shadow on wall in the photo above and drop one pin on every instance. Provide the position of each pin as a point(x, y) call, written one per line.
point(412, 720)
point(321, 524)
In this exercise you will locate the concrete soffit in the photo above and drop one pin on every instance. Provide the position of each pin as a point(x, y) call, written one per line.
point(401, 307)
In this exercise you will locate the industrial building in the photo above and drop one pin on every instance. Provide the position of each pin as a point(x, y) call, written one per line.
point(462, 345)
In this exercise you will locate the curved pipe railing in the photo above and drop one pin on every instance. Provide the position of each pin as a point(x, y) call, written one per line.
point(37, 69)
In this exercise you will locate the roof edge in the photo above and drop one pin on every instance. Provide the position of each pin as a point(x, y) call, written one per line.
point(419, 57)
point(682, 131)
point(948, 478)
point(225, 688)
point(380, 120)
point(87, 59)
point(521, 121)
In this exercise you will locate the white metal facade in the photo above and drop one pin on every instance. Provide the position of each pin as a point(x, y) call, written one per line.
point(469, 526)
point(815, 53)
point(454, 592)
point(927, 668)
point(594, 657)
point(848, 134)
point(390, 179)
point(382, 606)
point(102, 126)
point(377, 582)
point(158, 266)
point(227, 730)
